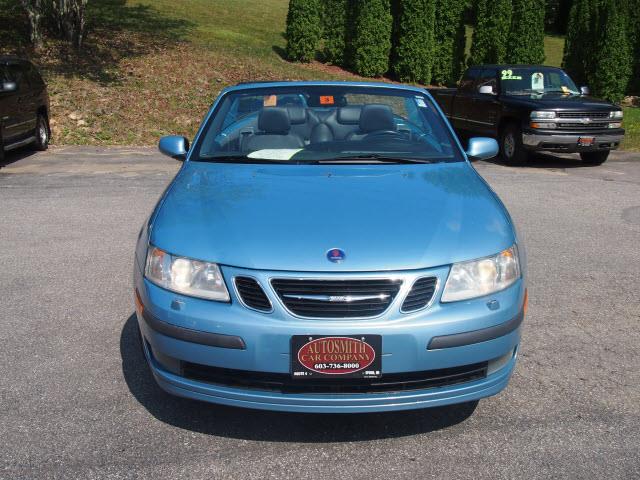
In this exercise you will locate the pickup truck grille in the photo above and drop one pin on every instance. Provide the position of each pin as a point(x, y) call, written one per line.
point(583, 114)
point(583, 126)
point(320, 298)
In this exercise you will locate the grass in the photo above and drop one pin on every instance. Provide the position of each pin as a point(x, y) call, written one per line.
point(631, 125)
point(153, 67)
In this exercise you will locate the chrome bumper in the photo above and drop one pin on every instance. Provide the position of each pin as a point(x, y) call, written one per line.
point(569, 142)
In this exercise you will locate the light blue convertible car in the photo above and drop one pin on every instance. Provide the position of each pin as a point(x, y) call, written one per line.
point(328, 247)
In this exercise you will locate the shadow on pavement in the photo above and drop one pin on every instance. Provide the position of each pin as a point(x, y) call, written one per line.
point(15, 156)
point(271, 426)
point(548, 160)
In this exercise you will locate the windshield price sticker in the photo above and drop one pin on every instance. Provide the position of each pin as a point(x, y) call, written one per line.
point(537, 81)
point(420, 102)
point(508, 75)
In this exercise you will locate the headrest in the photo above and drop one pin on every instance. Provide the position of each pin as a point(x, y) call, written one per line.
point(349, 115)
point(274, 120)
point(377, 117)
point(297, 114)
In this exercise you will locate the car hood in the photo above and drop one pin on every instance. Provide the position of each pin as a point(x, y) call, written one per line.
point(559, 101)
point(286, 217)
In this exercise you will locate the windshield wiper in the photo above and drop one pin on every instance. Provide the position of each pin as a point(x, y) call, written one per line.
point(373, 156)
point(236, 159)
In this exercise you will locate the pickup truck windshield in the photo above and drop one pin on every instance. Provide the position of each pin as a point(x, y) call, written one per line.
point(525, 81)
point(326, 124)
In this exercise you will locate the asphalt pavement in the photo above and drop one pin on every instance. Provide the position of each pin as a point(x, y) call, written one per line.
point(78, 401)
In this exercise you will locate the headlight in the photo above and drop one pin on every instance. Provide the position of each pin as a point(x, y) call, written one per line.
point(185, 275)
point(547, 125)
point(615, 125)
point(484, 276)
point(616, 114)
point(542, 114)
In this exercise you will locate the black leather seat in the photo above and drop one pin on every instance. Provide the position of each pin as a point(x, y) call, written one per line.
point(374, 118)
point(274, 131)
point(302, 121)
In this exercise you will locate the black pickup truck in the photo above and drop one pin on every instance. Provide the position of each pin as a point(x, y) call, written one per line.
point(531, 108)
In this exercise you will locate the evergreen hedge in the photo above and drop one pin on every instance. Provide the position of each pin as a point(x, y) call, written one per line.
point(580, 41)
point(336, 19)
point(526, 38)
point(450, 42)
point(413, 47)
point(491, 34)
point(371, 40)
point(613, 55)
point(304, 29)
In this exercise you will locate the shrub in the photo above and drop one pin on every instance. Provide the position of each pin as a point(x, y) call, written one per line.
point(371, 42)
point(580, 41)
point(336, 21)
point(526, 38)
point(303, 29)
point(413, 41)
point(450, 40)
point(490, 36)
point(613, 55)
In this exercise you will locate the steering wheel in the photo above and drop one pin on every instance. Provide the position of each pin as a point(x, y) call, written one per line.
point(383, 134)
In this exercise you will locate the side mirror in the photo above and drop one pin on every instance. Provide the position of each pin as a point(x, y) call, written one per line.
point(486, 89)
point(174, 146)
point(482, 148)
point(585, 90)
point(6, 87)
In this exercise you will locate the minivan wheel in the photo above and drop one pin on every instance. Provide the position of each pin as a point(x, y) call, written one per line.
point(42, 133)
point(594, 158)
point(511, 149)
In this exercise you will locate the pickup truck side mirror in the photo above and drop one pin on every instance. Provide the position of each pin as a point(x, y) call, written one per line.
point(6, 87)
point(482, 148)
point(487, 89)
point(585, 90)
point(174, 146)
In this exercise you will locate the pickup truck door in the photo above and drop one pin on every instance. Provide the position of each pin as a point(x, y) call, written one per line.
point(9, 117)
point(484, 111)
point(21, 111)
point(462, 102)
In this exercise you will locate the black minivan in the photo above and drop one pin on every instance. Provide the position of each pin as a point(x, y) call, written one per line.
point(24, 106)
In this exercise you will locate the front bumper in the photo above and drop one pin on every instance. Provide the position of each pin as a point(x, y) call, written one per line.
point(257, 342)
point(568, 142)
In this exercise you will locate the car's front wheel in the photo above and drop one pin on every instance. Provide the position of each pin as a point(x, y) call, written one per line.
point(511, 149)
point(594, 158)
point(42, 133)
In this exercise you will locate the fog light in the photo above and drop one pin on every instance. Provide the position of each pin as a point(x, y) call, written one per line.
point(500, 362)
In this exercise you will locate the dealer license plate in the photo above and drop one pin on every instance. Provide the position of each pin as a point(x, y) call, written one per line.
point(345, 356)
point(586, 141)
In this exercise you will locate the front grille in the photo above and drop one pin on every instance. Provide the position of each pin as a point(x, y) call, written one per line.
point(282, 382)
point(583, 126)
point(318, 298)
point(420, 294)
point(251, 294)
point(583, 114)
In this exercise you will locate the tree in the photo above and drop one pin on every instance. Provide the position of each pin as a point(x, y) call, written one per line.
point(557, 14)
point(526, 38)
point(371, 41)
point(580, 41)
point(335, 32)
point(304, 29)
point(491, 33)
point(449, 43)
point(413, 45)
point(613, 55)
point(35, 10)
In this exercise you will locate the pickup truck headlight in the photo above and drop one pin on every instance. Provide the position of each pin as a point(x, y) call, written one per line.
point(615, 125)
point(185, 275)
point(543, 115)
point(617, 114)
point(484, 276)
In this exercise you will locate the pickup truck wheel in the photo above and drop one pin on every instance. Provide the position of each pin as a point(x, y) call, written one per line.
point(511, 149)
point(42, 133)
point(594, 158)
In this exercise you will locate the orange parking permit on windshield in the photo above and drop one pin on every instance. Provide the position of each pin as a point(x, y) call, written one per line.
point(326, 100)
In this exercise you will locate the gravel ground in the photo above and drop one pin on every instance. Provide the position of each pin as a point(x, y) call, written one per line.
point(77, 400)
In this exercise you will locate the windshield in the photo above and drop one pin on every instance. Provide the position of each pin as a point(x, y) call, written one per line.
point(326, 124)
point(525, 81)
